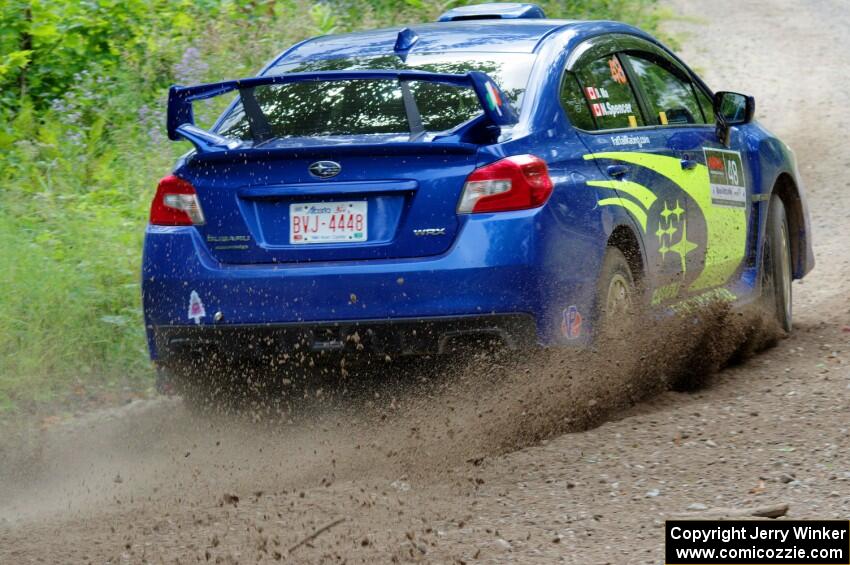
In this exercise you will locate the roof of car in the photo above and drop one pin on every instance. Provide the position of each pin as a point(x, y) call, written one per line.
point(500, 36)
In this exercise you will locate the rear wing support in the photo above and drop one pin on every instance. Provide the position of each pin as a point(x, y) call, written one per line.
point(181, 121)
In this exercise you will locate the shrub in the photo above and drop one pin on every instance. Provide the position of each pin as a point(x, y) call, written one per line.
point(82, 98)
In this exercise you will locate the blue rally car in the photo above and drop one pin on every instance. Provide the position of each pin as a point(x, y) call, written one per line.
point(494, 176)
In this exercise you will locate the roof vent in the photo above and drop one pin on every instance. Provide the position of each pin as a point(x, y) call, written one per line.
point(494, 11)
point(405, 40)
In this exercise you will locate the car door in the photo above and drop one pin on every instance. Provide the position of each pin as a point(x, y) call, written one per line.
point(710, 241)
point(604, 107)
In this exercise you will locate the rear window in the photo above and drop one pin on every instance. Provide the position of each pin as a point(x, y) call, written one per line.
point(372, 107)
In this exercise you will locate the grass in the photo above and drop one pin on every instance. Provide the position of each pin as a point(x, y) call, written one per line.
point(81, 157)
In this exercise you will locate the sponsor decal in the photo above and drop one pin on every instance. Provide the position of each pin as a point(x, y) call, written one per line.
point(224, 242)
point(639, 140)
point(196, 308)
point(613, 110)
point(571, 323)
point(493, 98)
point(632, 122)
point(227, 238)
point(704, 299)
point(665, 293)
point(715, 163)
point(617, 72)
point(662, 117)
point(726, 178)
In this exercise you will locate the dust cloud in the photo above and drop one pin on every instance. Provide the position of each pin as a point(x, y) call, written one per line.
point(281, 427)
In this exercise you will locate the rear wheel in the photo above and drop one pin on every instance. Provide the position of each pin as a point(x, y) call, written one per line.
point(776, 265)
point(616, 294)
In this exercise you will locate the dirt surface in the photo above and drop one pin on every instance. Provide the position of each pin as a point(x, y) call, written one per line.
point(472, 464)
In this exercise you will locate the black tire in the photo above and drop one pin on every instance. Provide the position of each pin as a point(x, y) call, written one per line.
point(776, 266)
point(616, 293)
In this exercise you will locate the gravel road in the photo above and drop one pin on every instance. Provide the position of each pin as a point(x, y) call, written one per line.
point(422, 472)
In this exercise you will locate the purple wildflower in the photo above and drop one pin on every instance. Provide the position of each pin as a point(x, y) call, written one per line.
point(191, 67)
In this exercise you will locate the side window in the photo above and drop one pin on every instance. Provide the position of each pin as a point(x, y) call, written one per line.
point(575, 103)
point(610, 98)
point(671, 100)
point(707, 105)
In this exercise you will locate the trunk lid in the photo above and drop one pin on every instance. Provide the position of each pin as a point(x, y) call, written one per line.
point(409, 198)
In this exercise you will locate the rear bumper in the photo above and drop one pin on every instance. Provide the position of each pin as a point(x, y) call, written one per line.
point(498, 268)
point(393, 337)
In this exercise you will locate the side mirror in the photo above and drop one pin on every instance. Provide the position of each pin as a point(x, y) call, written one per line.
point(732, 109)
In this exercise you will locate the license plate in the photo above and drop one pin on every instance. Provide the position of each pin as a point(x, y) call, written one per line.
point(328, 222)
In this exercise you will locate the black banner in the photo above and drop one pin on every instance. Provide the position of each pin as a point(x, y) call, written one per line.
point(757, 542)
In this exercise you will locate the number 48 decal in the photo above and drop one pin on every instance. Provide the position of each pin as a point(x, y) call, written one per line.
point(726, 178)
point(732, 171)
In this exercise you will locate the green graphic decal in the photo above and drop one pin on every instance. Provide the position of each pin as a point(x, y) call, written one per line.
point(726, 227)
point(637, 191)
point(671, 221)
point(683, 246)
point(635, 210)
point(665, 234)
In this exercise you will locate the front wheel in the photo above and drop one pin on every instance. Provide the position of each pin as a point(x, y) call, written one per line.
point(776, 265)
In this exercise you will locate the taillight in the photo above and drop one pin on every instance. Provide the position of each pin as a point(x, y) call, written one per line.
point(176, 204)
point(512, 183)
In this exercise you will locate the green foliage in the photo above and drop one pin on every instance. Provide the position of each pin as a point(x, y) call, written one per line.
point(82, 143)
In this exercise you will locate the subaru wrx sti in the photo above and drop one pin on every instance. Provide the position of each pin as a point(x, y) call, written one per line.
point(494, 176)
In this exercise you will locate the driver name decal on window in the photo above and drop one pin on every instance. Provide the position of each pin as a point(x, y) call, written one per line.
point(609, 94)
point(604, 108)
point(594, 93)
point(613, 110)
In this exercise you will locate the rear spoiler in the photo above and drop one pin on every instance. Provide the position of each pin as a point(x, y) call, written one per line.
point(181, 122)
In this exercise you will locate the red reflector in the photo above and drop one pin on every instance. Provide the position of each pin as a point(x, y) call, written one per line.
point(176, 204)
point(513, 183)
